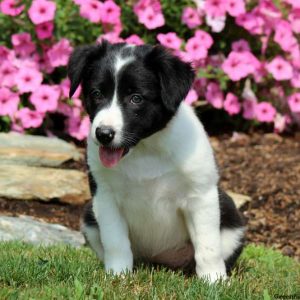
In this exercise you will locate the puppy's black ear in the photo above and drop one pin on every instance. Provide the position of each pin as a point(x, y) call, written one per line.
point(79, 60)
point(175, 76)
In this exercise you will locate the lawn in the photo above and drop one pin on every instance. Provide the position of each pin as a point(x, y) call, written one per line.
point(60, 272)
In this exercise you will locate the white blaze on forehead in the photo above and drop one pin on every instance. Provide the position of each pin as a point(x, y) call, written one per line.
point(112, 114)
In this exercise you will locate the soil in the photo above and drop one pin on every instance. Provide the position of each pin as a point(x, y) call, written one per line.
point(264, 166)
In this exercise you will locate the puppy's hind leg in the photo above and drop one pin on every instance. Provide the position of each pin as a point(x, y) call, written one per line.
point(90, 230)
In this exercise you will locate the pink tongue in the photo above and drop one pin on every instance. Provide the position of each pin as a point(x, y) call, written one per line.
point(110, 157)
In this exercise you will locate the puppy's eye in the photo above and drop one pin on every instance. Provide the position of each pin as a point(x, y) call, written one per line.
point(136, 99)
point(96, 94)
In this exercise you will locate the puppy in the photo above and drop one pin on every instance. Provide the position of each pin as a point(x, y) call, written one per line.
point(152, 172)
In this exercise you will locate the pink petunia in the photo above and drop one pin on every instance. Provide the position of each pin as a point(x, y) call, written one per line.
point(9, 102)
point(195, 49)
point(191, 17)
point(294, 18)
point(251, 21)
point(111, 37)
point(294, 102)
point(240, 46)
point(7, 74)
point(215, 8)
point(4, 53)
point(151, 19)
point(204, 38)
point(110, 12)
point(41, 11)
point(28, 80)
point(134, 40)
point(284, 36)
point(295, 81)
point(45, 98)
point(281, 122)
point(11, 8)
point(265, 112)
point(91, 10)
point(23, 44)
point(231, 104)
point(239, 65)
point(170, 40)
point(65, 87)
point(191, 97)
point(214, 95)
point(30, 118)
point(44, 30)
point(78, 128)
point(235, 7)
point(280, 68)
point(59, 53)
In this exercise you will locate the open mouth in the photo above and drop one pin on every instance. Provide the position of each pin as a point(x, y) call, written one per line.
point(110, 157)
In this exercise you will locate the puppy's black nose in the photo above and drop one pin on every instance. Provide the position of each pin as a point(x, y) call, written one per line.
point(105, 135)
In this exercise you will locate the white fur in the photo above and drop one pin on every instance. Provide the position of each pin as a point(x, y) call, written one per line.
point(230, 240)
point(160, 195)
point(111, 116)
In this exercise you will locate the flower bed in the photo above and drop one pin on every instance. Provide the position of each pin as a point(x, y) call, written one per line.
point(246, 55)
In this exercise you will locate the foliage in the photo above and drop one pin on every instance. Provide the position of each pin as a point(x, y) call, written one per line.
point(246, 55)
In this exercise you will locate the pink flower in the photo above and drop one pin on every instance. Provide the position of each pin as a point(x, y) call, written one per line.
point(215, 8)
point(111, 37)
point(265, 112)
point(284, 36)
point(214, 95)
point(294, 102)
point(91, 10)
point(170, 40)
point(4, 53)
point(239, 65)
point(240, 46)
point(253, 22)
point(280, 68)
point(30, 118)
point(151, 19)
point(22, 43)
point(41, 11)
point(294, 18)
point(7, 74)
point(59, 53)
point(295, 81)
point(249, 106)
point(231, 104)
point(110, 12)
point(191, 97)
point(9, 102)
point(65, 87)
point(78, 128)
point(44, 30)
point(195, 49)
point(45, 98)
point(190, 17)
point(134, 40)
point(28, 80)
point(235, 7)
point(10, 8)
point(204, 38)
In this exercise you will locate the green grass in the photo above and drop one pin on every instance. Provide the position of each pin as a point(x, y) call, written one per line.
point(28, 272)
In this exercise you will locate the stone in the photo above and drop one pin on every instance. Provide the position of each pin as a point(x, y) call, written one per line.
point(36, 150)
point(239, 199)
point(30, 230)
point(34, 183)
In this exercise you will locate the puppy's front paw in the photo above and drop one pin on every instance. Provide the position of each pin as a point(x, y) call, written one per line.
point(118, 264)
point(212, 273)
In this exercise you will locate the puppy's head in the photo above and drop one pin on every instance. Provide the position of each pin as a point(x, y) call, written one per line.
point(130, 92)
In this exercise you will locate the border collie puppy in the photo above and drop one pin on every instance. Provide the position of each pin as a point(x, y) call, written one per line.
point(152, 171)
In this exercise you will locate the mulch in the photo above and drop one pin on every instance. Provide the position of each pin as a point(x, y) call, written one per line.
point(264, 166)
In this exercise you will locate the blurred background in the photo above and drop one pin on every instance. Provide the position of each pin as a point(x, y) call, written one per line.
point(246, 56)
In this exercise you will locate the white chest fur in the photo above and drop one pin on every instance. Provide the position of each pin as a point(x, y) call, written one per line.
point(155, 180)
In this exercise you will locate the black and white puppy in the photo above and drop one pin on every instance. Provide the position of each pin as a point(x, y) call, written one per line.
point(152, 171)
